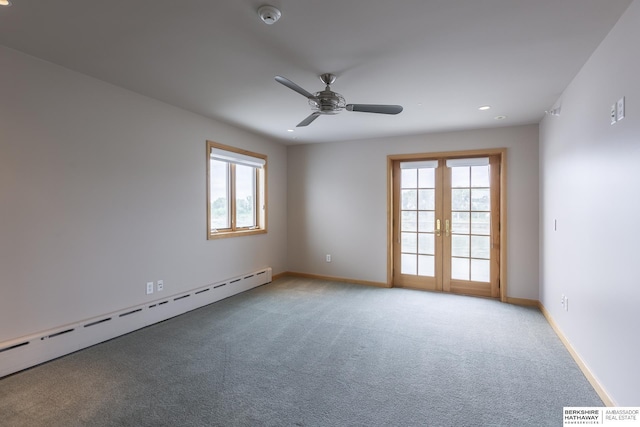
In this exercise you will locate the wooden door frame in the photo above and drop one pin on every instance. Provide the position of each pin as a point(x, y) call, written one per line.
point(502, 153)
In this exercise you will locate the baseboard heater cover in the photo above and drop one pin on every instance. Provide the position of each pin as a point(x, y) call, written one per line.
point(25, 352)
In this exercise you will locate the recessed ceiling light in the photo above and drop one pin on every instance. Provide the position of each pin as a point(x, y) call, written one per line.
point(500, 117)
point(289, 130)
point(485, 107)
point(5, 3)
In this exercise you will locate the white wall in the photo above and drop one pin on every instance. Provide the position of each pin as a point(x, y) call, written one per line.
point(590, 183)
point(102, 190)
point(338, 202)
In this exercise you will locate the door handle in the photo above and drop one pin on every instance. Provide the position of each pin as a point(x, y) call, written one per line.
point(437, 227)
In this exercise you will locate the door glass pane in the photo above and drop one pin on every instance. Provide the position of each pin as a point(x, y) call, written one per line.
point(480, 269)
point(460, 268)
point(426, 265)
point(426, 244)
point(409, 264)
point(427, 178)
point(460, 222)
point(460, 177)
point(460, 199)
point(460, 245)
point(480, 176)
point(409, 178)
point(481, 223)
point(471, 226)
point(409, 242)
point(480, 247)
point(480, 200)
point(409, 221)
point(409, 199)
point(417, 214)
point(426, 221)
point(426, 200)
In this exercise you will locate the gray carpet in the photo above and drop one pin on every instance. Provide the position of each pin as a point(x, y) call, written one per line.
point(301, 352)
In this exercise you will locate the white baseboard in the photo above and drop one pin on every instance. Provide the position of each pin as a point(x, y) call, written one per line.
point(25, 352)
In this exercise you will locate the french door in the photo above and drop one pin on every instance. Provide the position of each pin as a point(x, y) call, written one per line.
point(446, 224)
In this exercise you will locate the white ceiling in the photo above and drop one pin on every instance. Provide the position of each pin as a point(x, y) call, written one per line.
point(440, 59)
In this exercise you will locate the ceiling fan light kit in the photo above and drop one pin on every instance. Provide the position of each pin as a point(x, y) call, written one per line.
point(328, 102)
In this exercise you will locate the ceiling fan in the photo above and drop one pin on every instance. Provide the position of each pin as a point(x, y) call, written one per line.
point(330, 102)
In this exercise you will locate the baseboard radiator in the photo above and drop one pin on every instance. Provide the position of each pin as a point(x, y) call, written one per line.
point(25, 352)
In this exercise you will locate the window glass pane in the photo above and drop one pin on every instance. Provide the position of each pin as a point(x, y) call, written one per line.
point(426, 200)
point(460, 177)
point(426, 244)
point(460, 268)
point(245, 196)
point(409, 199)
point(480, 176)
point(409, 242)
point(218, 194)
point(460, 222)
point(409, 178)
point(426, 265)
point(460, 199)
point(427, 178)
point(480, 200)
point(480, 246)
point(426, 221)
point(409, 264)
point(481, 223)
point(409, 221)
point(460, 245)
point(480, 269)
point(236, 196)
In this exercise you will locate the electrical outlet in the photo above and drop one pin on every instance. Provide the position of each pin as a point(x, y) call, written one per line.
point(160, 285)
point(149, 288)
point(562, 299)
point(614, 114)
point(328, 258)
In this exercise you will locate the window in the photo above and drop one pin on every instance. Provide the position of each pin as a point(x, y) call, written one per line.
point(236, 192)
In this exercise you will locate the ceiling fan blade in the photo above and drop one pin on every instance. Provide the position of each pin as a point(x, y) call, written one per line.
point(375, 108)
point(308, 120)
point(291, 85)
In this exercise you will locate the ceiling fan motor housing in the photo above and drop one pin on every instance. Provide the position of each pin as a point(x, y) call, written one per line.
point(327, 102)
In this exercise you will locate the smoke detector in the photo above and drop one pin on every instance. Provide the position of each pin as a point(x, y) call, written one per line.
point(269, 14)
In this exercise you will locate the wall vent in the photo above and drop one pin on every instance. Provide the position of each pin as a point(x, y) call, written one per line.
point(57, 334)
point(97, 322)
point(128, 313)
point(13, 346)
point(25, 352)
